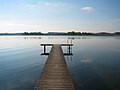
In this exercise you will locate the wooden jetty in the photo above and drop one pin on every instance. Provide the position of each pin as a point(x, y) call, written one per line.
point(55, 74)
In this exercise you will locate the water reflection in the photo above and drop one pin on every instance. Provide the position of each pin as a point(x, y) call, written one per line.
point(87, 60)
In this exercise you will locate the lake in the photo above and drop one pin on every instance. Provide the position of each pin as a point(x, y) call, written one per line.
point(95, 64)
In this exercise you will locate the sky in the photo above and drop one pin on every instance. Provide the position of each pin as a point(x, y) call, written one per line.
point(59, 16)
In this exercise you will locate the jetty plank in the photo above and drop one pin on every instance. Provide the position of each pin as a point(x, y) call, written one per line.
point(55, 74)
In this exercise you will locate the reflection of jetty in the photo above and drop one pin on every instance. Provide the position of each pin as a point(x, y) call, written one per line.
point(55, 74)
point(69, 46)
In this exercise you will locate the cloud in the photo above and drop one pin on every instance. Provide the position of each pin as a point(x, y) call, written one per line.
point(18, 27)
point(40, 5)
point(117, 20)
point(47, 5)
point(30, 6)
point(87, 9)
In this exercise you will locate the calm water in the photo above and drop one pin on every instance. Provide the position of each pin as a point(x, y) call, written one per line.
point(95, 64)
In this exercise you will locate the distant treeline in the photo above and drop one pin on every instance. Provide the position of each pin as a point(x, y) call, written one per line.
point(93, 34)
point(32, 33)
point(63, 33)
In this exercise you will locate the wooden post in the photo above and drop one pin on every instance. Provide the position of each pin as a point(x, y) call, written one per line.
point(69, 49)
point(44, 49)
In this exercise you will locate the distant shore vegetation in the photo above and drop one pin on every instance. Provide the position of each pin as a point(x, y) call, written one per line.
point(66, 33)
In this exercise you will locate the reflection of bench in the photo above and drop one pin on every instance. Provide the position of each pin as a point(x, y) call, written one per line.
point(68, 45)
point(55, 74)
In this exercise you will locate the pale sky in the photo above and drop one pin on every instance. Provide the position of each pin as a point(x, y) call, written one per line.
point(59, 15)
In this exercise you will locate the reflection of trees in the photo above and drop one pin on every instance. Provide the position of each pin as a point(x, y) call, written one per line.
point(82, 37)
point(32, 37)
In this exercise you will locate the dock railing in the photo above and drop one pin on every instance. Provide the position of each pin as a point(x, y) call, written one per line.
point(69, 47)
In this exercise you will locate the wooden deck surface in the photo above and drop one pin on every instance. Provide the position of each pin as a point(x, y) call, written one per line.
point(55, 74)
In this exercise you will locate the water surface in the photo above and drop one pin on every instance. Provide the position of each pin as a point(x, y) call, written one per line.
point(95, 64)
